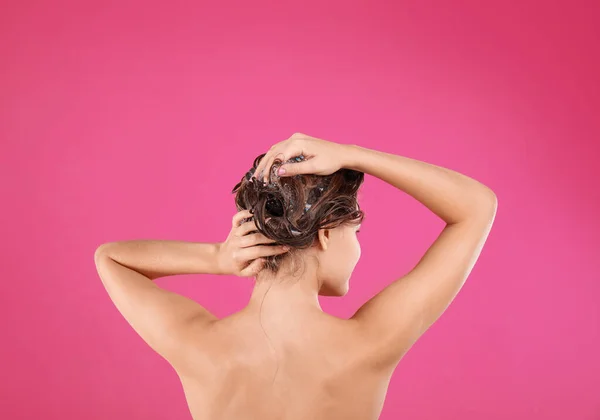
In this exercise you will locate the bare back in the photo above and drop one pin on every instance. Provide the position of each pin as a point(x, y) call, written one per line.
point(297, 363)
point(320, 368)
point(294, 363)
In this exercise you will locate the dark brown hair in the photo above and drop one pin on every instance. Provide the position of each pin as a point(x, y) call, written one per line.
point(291, 210)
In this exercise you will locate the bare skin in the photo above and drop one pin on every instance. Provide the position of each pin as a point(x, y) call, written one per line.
point(282, 357)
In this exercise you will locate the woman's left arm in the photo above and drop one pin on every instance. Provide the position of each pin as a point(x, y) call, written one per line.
point(162, 318)
point(161, 258)
point(168, 321)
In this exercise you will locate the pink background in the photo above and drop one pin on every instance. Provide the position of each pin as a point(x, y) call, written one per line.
point(134, 120)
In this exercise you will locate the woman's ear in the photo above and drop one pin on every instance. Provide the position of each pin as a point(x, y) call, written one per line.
point(323, 236)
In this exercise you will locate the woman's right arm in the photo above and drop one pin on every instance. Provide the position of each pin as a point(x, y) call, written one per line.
point(452, 196)
point(398, 315)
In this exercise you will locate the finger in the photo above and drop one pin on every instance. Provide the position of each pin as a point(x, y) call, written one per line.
point(260, 251)
point(239, 216)
point(254, 268)
point(279, 154)
point(246, 228)
point(255, 239)
point(297, 168)
point(268, 164)
point(261, 165)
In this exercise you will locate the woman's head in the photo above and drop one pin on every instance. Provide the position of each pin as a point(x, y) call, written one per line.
point(305, 212)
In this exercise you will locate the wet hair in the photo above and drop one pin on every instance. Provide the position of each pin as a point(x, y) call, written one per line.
point(292, 209)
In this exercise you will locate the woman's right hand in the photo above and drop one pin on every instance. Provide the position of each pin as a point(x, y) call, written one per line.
point(321, 157)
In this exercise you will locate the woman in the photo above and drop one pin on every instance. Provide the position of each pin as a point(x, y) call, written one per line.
point(282, 357)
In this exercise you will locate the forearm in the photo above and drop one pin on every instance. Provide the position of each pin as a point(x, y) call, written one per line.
point(452, 196)
point(161, 258)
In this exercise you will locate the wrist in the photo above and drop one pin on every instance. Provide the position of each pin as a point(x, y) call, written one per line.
point(350, 157)
point(218, 263)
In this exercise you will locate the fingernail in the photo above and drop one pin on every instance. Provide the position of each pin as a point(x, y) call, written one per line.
point(281, 170)
point(285, 248)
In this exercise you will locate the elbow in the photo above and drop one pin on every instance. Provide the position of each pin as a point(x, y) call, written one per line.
point(491, 198)
point(487, 203)
point(102, 251)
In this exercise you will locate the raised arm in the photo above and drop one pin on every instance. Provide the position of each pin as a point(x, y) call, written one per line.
point(167, 321)
point(398, 315)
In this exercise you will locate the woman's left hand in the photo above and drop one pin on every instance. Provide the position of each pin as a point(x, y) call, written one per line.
point(242, 253)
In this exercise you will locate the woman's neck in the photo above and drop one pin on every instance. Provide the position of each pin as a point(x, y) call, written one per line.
point(283, 293)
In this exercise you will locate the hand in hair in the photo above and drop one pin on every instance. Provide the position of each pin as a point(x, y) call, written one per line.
point(319, 157)
point(243, 252)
